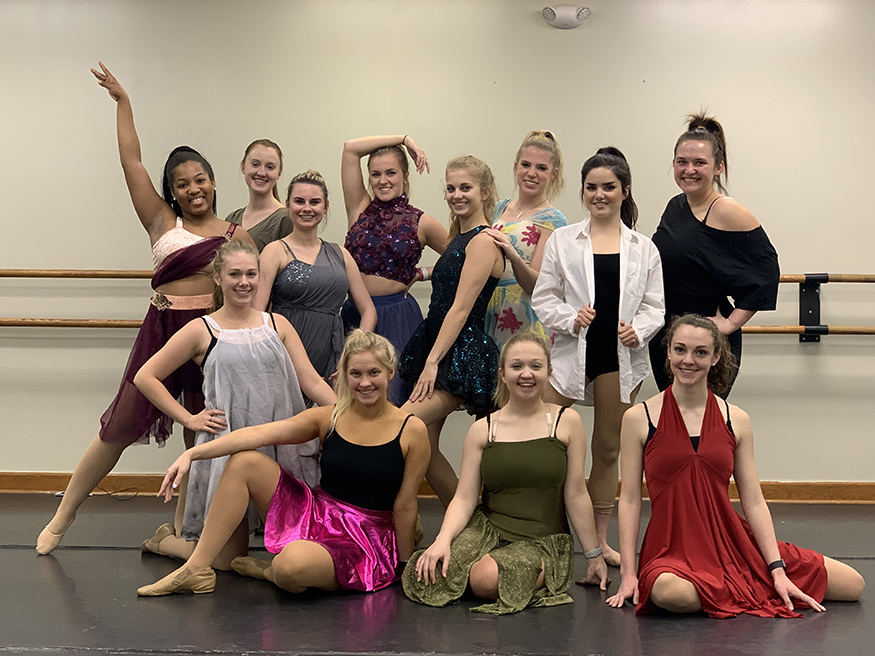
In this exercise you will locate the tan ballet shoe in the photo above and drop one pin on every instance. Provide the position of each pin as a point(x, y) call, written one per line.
point(181, 581)
point(47, 541)
point(252, 567)
point(612, 559)
point(152, 544)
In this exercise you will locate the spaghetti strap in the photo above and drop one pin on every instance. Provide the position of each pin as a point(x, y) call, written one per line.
point(728, 419)
point(647, 412)
point(230, 231)
point(213, 339)
point(273, 321)
point(556, 421)
point(209, 329)
point(490, 427)
point(288, 249)
point(705, 220)
point(401, 430)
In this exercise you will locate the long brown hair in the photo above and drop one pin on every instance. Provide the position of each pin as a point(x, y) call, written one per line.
point(706, 128)
point(720, 374)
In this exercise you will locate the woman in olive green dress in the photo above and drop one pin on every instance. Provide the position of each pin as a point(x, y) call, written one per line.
point(514, 549)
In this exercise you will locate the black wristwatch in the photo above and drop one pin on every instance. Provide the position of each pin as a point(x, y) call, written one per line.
point(776, 564)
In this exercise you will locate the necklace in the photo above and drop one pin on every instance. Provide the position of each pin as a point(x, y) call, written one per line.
point(531, 209)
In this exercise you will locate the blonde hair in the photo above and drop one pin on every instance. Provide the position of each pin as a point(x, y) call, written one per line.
point(358, 341)
point(267, 143)
point(502, 394)
point(478, 170)
point(403, 164)
point(225, 250)
point(546, 141)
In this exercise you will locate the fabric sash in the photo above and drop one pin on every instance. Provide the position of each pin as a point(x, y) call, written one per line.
point(189, 260)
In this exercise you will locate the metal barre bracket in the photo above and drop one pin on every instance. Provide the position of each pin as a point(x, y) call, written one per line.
point(809, 307)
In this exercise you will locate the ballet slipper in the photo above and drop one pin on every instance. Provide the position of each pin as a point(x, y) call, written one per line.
point(612, 559)
point(152, 545)
point(47, 541)
point(252, 567)
point(180, 581)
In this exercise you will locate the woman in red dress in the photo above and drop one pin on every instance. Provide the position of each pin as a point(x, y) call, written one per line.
point(698, 554)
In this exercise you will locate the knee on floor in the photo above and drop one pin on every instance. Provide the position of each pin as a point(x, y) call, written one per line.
point(675, 594)
point(483, 579)
point(289, 573)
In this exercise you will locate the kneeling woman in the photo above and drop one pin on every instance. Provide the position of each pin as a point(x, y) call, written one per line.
point(514, 549)
point(350, 534)
point(255, 368)
point(698, 554)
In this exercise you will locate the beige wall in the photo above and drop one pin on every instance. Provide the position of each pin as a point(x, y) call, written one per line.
point(791, 80)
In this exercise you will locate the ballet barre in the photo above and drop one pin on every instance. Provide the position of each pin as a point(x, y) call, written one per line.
point(809, 330)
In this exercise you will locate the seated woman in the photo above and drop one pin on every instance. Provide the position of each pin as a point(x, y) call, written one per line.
point(252, 363)
point(350, 534)
point(514, 549)
point(698, 553)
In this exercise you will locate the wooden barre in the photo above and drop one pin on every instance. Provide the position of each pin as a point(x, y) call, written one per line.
point(74, 273)
point(808, 330)
point(797, 278)
point(72, 323)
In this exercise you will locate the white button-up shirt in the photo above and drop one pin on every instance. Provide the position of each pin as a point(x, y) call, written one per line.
point(566, 284)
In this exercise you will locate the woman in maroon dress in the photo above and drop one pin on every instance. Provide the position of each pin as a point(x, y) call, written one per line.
point(698, 554)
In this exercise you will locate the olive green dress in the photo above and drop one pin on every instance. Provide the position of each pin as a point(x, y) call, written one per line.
point(521, 523)
point(276, 226)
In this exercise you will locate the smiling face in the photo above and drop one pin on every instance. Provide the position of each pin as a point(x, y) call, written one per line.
point(463, 193)
point(603, 193)
point(261, 169)
point(192, 189)
point(386, 176)
point(238, 278)
point(306, 205)
point(368, 378)
point(533, 171)
point(525, 370)
point(695, 168)
point(691, 354)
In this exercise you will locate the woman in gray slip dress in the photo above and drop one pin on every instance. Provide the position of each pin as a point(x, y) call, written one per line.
point(254, 367)
point(307, 280)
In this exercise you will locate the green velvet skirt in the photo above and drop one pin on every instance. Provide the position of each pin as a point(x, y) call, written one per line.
point(519, 566)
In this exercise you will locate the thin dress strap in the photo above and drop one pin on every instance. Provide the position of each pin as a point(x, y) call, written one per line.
point(288, 249)
point(556, 421)
point(490, 427)
point(647, 412)
point(705, 220)
point(272, 321)
point(213, 339)
point(401, 430)
point(728, 420)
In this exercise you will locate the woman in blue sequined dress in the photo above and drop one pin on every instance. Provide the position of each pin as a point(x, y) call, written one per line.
point(307, 280)
point(450, 360)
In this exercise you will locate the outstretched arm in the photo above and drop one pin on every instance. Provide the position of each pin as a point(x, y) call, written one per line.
point(153, 212)
point(633, 433)
point(577, 499)
point(460, 509)
point(301, 428)
point(757, 511)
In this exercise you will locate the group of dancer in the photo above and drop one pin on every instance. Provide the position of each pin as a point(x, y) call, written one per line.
point(256, 318)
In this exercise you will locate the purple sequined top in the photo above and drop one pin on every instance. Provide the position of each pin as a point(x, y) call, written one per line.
point(384, 240)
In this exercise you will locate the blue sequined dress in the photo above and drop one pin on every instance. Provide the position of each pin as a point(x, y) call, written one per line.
point(469, 368)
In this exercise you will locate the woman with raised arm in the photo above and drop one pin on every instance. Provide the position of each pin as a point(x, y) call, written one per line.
point(698, 553)
point(600, 294)
point(265, 217)
point(185, 233)
point(521, 228)
point(450, 360)
point(386, 237)
point(514, 548)
point(350, 534)
point(252, 364)
point(712, 247)
point(307, 280)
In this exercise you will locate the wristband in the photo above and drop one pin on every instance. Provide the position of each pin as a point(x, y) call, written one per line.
point(423, 272)
point(777, 564)
point(403, 139)
point(594, 553)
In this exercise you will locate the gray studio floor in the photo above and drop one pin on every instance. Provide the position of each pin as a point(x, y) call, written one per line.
point(82, 600)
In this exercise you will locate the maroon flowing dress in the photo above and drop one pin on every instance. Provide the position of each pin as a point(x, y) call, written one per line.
point(696, 534)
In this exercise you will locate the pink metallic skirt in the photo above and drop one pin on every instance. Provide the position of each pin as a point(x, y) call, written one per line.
point(361, 542)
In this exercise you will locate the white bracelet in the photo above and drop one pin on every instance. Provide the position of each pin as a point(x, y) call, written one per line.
point(592, 553)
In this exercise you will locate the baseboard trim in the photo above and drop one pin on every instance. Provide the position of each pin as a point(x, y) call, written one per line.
point(785, 492)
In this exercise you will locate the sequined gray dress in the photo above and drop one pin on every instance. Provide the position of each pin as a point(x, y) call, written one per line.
point(469, 368)
point(249, 375)
point(310, 297)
